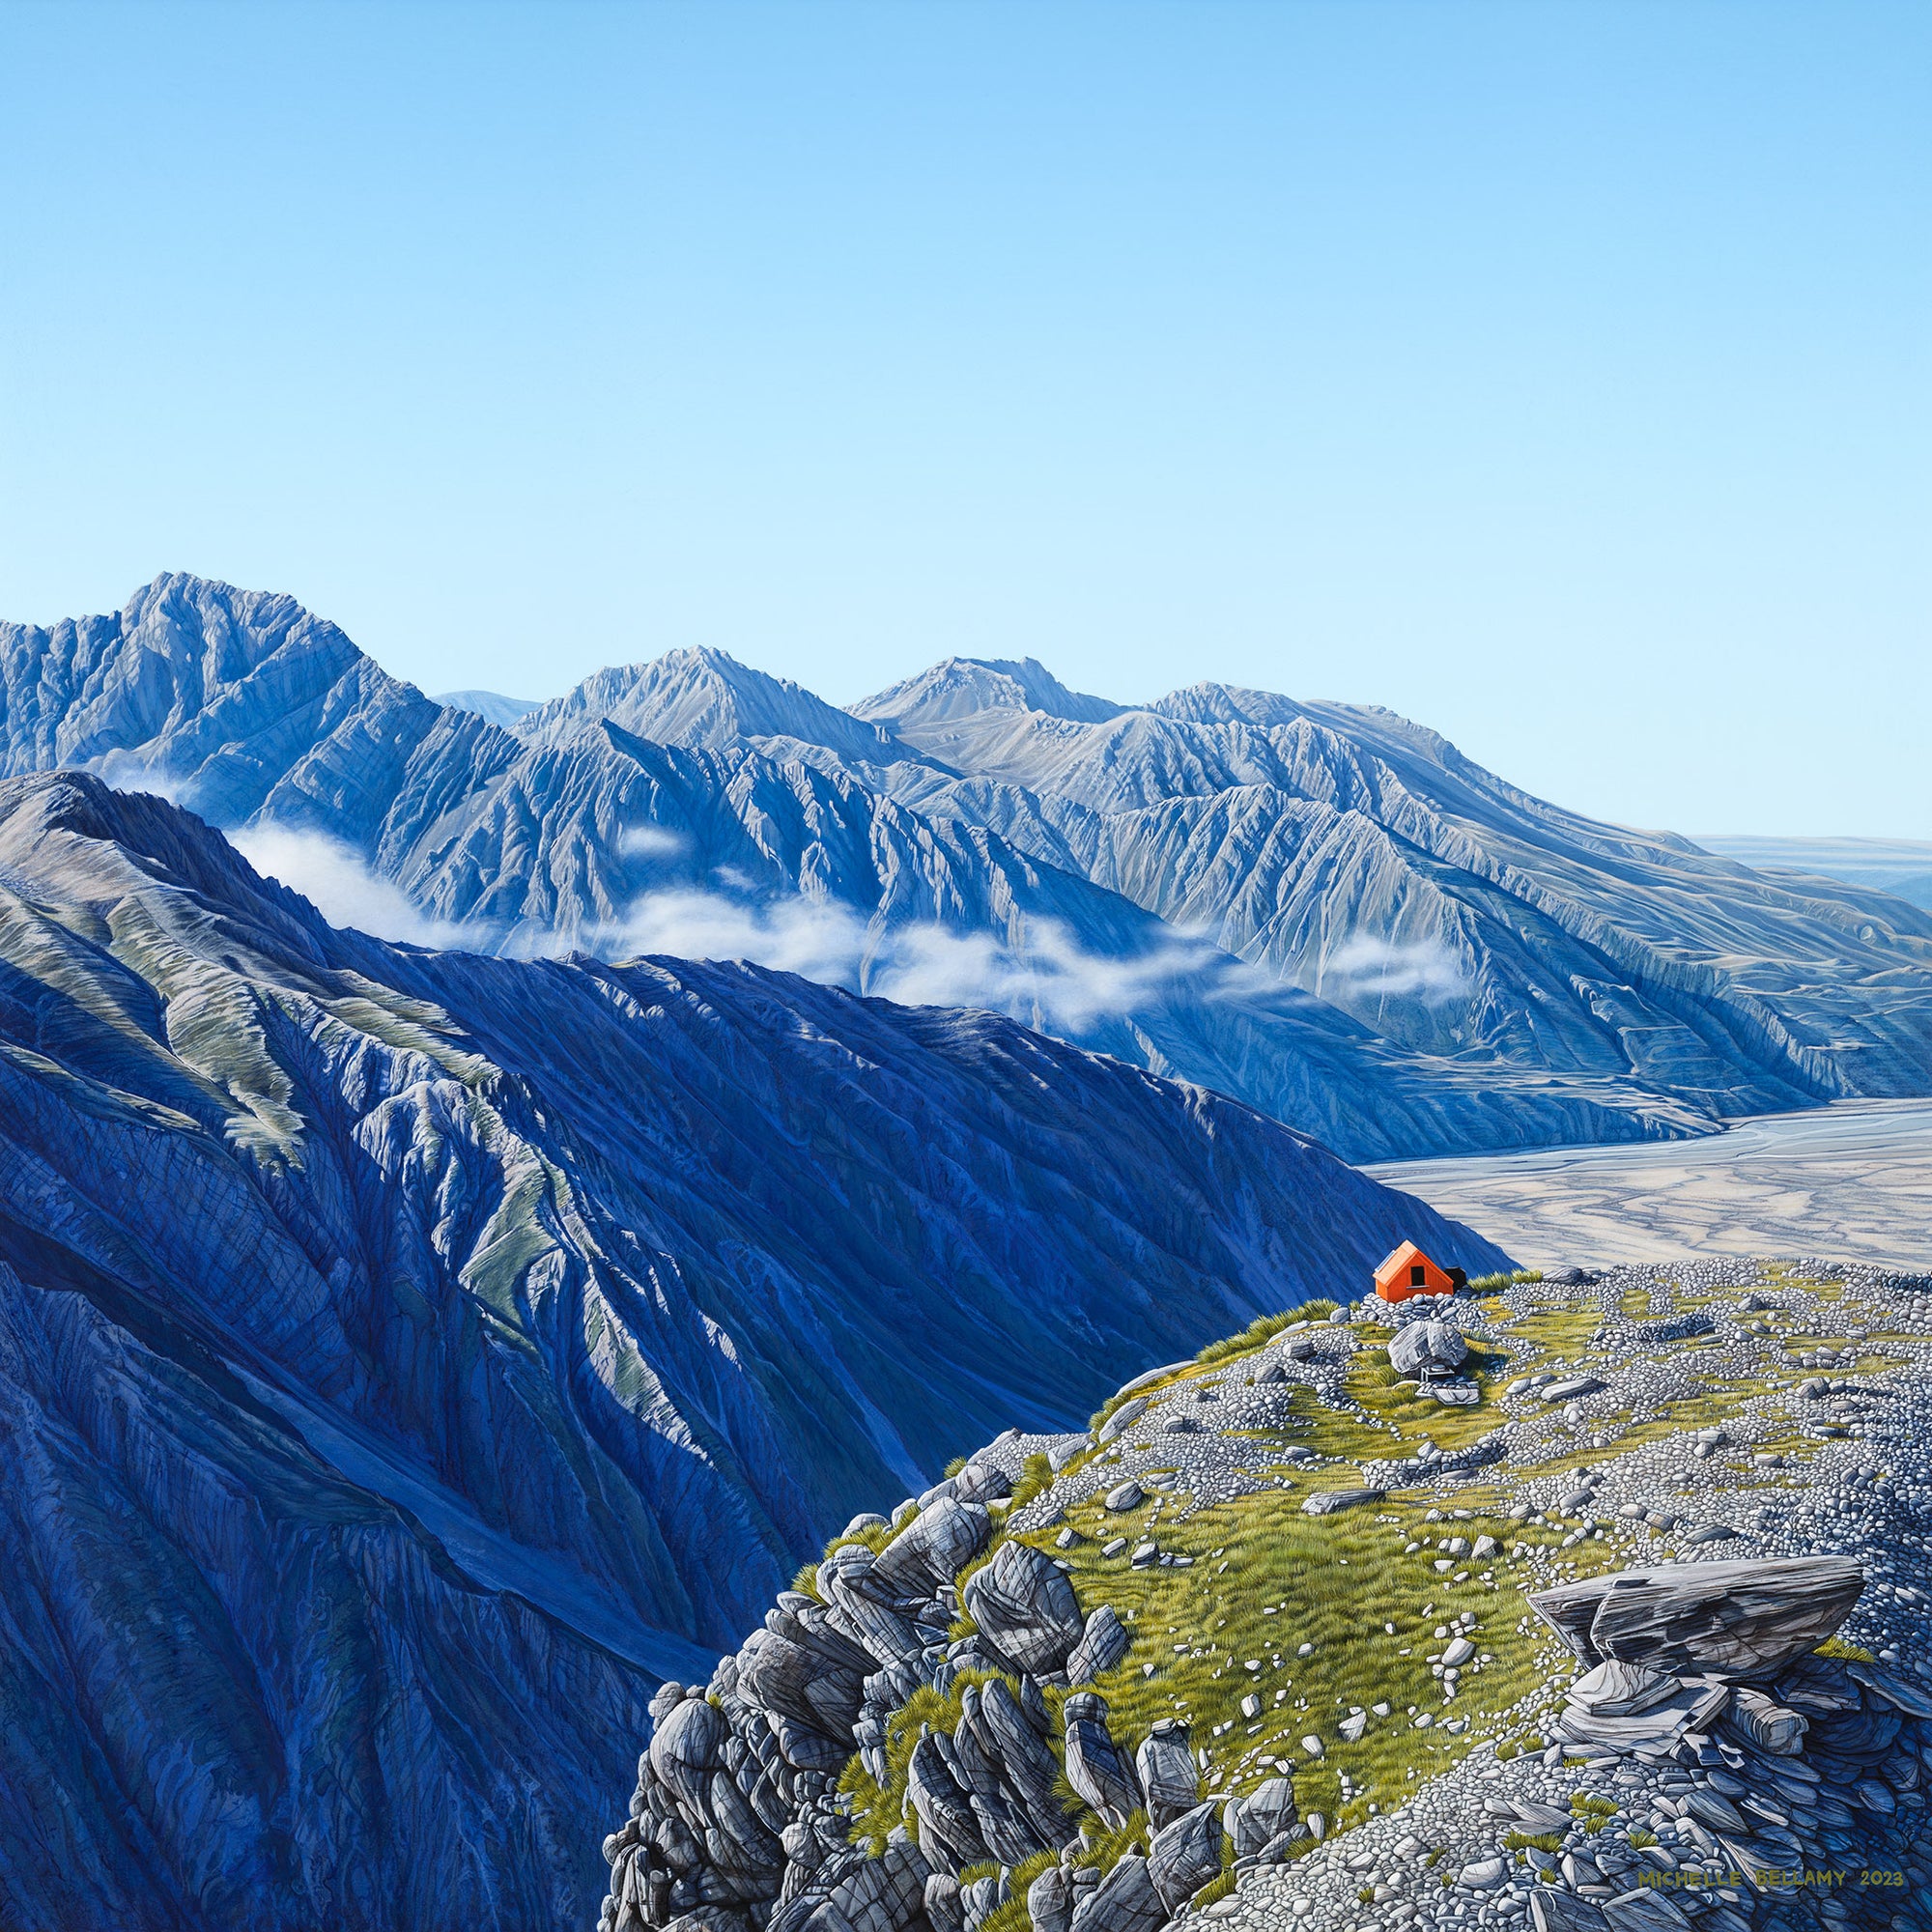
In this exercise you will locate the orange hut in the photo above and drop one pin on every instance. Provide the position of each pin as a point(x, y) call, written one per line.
point(1409, 1273)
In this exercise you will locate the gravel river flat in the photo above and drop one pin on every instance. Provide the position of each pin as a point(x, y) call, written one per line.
point(1852, 1181)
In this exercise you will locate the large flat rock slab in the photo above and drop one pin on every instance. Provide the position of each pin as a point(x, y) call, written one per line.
point(1706, 1619)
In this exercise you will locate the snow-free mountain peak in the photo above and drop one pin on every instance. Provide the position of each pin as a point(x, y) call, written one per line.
point(958, 687)
point(232, 701)
point(1323, 909)
point(703, 700)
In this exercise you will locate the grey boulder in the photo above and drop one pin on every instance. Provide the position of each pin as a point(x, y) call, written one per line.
point(1167, 1773)
point(943, 1908)
point(688, 1746)
point(1553, 1910)
point(1711, 1619)
point(1325, 1502)
point(1614, 1690)
point(1049, 1900)
point(1422, 1345)
point(1024, 1602)
point(1253, 1822)
point(1643, 1909)
point(1095, 1766)
point(1185, 1855)
point(1103, 1643)
point(932, 1549)
point(949, 1830)
point(1123, 1901)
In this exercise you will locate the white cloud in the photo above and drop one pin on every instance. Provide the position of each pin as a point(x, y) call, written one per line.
point(797, 935)
point(128, 771)
point(649, 841)
point(1053, 978)
point(335, 879)
point(1365, 964)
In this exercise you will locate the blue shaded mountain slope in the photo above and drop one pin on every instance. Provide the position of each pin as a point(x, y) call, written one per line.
point(407, 1359)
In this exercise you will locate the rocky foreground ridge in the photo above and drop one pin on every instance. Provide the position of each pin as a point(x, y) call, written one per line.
point(1591, 1604)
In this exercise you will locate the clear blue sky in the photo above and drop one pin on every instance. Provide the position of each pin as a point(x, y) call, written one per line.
point(1557, 374)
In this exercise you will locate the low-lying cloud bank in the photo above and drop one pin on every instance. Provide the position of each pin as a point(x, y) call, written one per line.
point(1051, 978)
point(332, 877)
point(1044, 976)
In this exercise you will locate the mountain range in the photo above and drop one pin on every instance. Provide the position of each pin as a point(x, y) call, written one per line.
point(410, 1359)
point(1323, 910)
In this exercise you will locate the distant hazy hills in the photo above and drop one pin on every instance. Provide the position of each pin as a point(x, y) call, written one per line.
point(1322, 909)
point(408, 1358)
point(1901, 867)
point(490, 704)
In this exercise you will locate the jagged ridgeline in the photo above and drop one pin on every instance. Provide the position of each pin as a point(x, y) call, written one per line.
point(1320, 909)
point(1573, 1605)
point(410, 1361)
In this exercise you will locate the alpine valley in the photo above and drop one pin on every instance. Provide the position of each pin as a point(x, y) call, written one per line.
point(432, 1337)
point(409, 1360)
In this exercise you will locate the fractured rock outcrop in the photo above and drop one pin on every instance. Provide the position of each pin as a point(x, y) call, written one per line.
point(1023, 1602)
point(735, 1826)
point(1722, 1651)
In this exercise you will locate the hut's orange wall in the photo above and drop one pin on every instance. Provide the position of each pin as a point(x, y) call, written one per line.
point(1392, 1278)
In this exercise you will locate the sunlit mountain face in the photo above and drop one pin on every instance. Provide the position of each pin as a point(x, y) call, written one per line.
point(1323, 910)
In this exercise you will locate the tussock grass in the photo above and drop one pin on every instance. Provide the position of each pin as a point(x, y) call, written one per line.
point(1590, 1811)
point(1851, 1653)
point(1217, 1889)
point(1494, 1284)
point(1035, 1474)
point(1013, 1916)
point(1259, 1333)
point(875, 1537)
point(1268, 1579)
point(1104, 1849)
